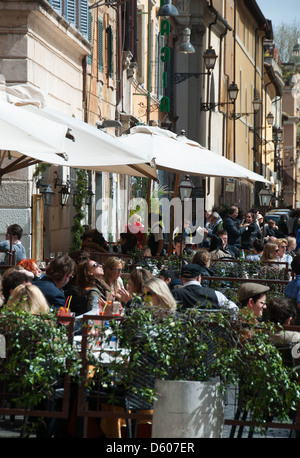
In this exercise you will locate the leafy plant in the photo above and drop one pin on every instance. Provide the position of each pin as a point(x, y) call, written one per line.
point(197, 345)
point(77, 229)
point(38, 356)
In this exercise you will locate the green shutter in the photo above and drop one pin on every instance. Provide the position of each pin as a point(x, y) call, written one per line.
point(90, 24)
point(110, 52)
point(100, 44)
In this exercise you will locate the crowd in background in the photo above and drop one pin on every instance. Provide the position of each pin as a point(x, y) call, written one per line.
point(79, 275)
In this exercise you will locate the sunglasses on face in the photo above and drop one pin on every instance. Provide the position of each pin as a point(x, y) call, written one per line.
point(117, 270)
point(97, 265)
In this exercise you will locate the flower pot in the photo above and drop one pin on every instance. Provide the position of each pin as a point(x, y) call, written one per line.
point(185, 409)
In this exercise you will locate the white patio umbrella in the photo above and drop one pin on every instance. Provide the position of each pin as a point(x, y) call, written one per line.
point(94, 149)
point(180, 155)
point(32, 133)
point(25, 131)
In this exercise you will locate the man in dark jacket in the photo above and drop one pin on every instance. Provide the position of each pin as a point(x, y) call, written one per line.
point(192, 294)
point(58, 273)
point(234, 230)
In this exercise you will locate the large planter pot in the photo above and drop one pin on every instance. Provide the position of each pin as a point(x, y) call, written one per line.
point(185, 409)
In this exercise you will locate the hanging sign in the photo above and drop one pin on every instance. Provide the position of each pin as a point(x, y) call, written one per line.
point(165, 29)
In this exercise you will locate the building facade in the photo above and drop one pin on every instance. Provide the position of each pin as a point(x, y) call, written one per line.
point(116, 64)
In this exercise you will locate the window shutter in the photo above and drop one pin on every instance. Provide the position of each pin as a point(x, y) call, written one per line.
point(83, 17)
point(90, 23)
point(130, 26)
point(110, 51)
point(100, 44)
point(70, 11)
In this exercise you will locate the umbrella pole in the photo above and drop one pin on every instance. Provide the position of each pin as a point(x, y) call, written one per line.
point(145, 234)
point(170, 248)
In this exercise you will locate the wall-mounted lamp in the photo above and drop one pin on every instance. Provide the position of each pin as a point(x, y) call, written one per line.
point(108, 123)
point(167, 9)
point(209, 58)
point(270, 118)
point(277, 133)
point(256, 106)
point(186, 47)
point(265, 196)
point(89, 196)
point(64, 192)
point(47, 193)
point(185, 188)
point(232, 92)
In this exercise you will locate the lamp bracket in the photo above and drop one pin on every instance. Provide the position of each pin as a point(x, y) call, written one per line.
point(212, 105)
point(179, 77)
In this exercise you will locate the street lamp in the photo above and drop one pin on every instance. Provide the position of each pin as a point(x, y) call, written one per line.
point(233, 91)
point(64, 194)
point(186, 47)
point(167, 9)
point(210, 58)
point(48, 195)
point(185, 190)
point(270, 119)
point(265, 196)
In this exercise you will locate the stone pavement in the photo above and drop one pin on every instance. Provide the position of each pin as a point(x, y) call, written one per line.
point(12, 431)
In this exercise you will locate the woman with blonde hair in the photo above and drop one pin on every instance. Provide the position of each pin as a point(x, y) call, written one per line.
point(157, 292)
point(283, 256)
point(270, 252)
point(29, 298)
point(112, 274)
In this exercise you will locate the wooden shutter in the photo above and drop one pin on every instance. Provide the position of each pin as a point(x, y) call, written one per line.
point(130, 27)
point(83, 17)
point(110, 54)
point(70, 11)
point(90, 25)
point(100, 44)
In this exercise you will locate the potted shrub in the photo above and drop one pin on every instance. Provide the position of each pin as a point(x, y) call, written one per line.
point(204, 351)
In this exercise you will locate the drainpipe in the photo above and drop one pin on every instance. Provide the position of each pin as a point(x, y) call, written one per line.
point(149, 73)
point(234, 72)
point(208, 79)
point(227, 27)
point(119, 62)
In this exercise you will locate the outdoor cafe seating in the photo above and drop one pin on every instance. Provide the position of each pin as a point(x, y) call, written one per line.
point(83, 405)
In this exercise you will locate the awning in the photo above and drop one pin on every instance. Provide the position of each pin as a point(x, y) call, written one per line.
point(176, 153)
point(38, 134)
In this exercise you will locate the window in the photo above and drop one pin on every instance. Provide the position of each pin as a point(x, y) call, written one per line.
point(75, 12)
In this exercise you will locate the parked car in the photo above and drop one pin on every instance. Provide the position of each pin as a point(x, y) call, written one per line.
point(276, 213)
